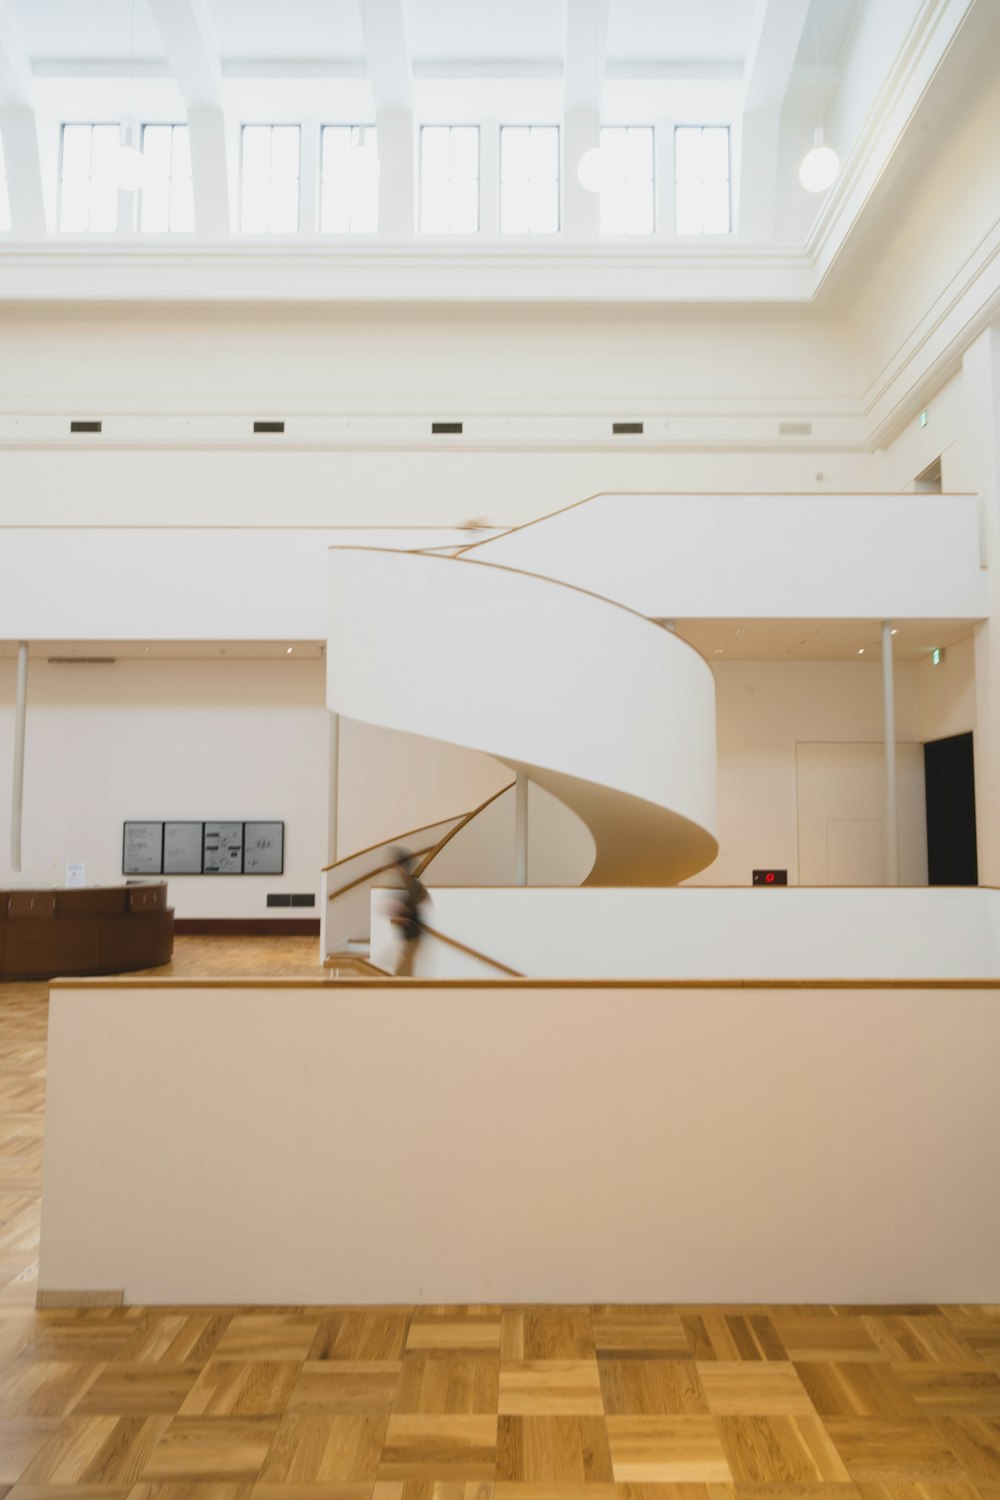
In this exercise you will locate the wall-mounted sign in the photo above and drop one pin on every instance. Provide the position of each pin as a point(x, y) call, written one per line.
point(219, 848)
point(263, 848)
point(142, 849)
point(182, 846)
point(223, 846)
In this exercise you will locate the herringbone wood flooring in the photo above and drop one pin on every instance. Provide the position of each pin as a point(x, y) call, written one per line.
point(466, 1403)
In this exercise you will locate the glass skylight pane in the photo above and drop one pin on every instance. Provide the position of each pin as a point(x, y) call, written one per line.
point(180, 165)
point(284, 153)
point(253, 206)
point(182, 205)
point(689, 208)
point(256, 153)
point(687, 154)
point(449, 179)
point(627, 202)
point(284, 216)
point(349, 193)
point(715, 210)
point(76, 153)
point(529, 177)
point(156, 149)
point(154, 216)
point(715, 155)
point(464, 153)
point(435, 158)
point(701, 158)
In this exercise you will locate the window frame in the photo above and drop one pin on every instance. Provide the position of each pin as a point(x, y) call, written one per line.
point(366, 127)
point(91, 125)
point(161, 125)
point(652, 127)
point(271, 125)
point(530, 125)
point(712, 234)
point(450, 125)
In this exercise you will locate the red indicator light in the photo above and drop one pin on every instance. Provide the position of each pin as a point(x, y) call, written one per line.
point(769, 878)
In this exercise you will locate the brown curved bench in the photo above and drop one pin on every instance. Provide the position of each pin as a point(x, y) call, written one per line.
point(93, 930)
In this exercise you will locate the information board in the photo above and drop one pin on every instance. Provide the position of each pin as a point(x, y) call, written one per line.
point(223, 849)
point(142, 849)
point(182, 848)
point(263, 848)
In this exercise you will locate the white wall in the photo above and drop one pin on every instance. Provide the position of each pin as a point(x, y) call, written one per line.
point(764, 709)
point(946, 693)
point(687, 934)
point(662, 1165)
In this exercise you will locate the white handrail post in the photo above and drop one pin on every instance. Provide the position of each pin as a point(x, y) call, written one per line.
point(20, 723)
point(521, 829)
point(889, 711)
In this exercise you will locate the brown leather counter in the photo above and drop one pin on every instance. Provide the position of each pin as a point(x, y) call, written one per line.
point(92, 930)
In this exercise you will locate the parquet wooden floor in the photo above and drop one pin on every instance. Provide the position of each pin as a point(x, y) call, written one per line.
point(467, 1403)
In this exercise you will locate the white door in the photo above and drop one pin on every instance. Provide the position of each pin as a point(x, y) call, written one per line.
point(841, 814)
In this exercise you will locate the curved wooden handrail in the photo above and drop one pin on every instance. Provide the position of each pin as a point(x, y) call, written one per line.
point(370, 874)
point(396, 838)
point(462, 823)
point(473, 952)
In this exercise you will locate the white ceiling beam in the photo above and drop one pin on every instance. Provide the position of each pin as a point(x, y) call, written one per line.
point(385, 26)
point(583, 93)
point(193, 56)
point(775, 34)
point(19, 133)
point(185, 29)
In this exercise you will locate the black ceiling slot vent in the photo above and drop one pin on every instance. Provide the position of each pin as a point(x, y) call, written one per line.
point(622, 429)
point(795, 429)
point(269, 427)
point(440, 427)
point(85, 427)
point(82, 661)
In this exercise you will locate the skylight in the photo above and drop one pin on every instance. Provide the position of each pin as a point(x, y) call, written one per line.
point(167, 201)
point(529, 179)
point(88, 186)
point(628, 199)
point(349, 190)
point(269, 189)
point(449, 179)
point(701, 164)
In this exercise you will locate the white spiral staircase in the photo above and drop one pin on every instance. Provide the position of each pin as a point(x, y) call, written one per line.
point(603, 708)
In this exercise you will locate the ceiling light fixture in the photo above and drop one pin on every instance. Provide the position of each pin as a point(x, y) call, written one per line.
point(594, 170)
point(861, 650)
point(820, 166)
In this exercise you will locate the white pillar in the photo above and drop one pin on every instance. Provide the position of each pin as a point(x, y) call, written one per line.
point(19, 133)
point(20, 721)
point(581, 215)
point(397, 197)
point(521, 829)
point(333, 800)
point(889, 710)
point(979, 459)
point(209, 171)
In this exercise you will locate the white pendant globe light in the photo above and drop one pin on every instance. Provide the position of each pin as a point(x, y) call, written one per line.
point(593, 169)
point(819, 167)
point(130, 168)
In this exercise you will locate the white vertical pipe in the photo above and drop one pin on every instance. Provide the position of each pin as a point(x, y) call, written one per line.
point(333, 803)
point(20, 721)
point(521, 829)
point(889, 711)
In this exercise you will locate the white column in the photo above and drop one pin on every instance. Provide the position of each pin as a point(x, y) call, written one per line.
point(521, 829)
point(980, 470)
point(889, 710)
point(581, 211)
point(20, 721)
point(397, 198)
point(19, 133)
point(209, 171)
point(333, 800)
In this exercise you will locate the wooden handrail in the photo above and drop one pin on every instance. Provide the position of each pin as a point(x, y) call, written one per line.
point(473, 953)
point(369, 875)
point(462, 823)
point(395, 839)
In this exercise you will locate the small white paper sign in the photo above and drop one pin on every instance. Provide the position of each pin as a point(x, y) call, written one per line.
point(76, 874)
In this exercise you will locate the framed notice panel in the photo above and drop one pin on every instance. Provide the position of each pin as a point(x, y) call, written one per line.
point(263, 848)
point(223, 849)
point(142, 849)
point(182, 846)
point(187, 848)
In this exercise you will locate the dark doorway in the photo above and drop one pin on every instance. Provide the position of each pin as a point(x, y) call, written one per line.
point(950, 787)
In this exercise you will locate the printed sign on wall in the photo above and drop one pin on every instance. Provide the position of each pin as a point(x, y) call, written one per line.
point(184, 847)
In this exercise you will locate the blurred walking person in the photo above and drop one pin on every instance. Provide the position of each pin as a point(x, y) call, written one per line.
point(405, 917)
